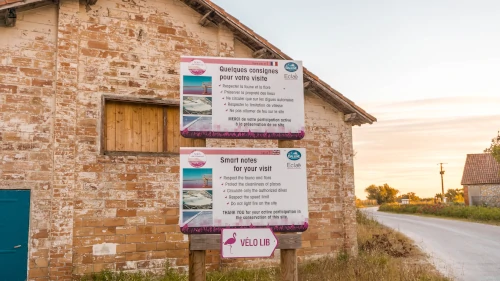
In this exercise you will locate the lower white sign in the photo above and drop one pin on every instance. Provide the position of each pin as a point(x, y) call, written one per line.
point(243, 188)
point(248, 242)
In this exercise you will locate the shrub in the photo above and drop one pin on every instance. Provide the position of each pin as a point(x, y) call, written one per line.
point(475, 213)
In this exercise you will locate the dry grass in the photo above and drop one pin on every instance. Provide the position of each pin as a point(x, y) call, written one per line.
point(383, 255)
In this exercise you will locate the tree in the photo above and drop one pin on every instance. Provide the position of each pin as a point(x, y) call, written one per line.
point(438, 197)
point(494, 148)
point(412, 196)
point(455, 195)
point(382, 193)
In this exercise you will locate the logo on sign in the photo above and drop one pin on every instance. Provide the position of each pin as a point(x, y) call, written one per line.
point(291, 67)
point(294, 155)
point(293, 165)
point(197, 67)
point(197, 159)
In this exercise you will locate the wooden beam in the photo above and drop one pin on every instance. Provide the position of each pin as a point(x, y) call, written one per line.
point(285, 144)
point(204, 20)
point(152, 100)
point(289, 269)
point(10, 17)
point(197, 270)
point(203, 242)
point(260, 53)
point(306, 84)
point(350, 117)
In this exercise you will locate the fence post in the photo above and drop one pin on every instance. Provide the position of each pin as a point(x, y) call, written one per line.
point(288, 257)
point(197, 268)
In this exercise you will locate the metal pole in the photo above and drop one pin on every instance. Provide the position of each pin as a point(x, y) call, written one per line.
point(442, 181)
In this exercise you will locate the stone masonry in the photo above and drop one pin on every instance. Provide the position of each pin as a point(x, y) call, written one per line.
point(479, 194)
point(56, 64)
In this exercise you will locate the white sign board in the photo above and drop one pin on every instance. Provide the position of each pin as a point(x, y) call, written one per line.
point(242, 187)
point(241, 98)
point(248, 243)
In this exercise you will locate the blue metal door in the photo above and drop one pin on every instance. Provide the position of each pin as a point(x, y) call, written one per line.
point(14, 227)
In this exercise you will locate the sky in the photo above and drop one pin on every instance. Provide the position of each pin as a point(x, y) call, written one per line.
point(428, 70)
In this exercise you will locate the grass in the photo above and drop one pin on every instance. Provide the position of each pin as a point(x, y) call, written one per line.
point(470, 213)
point(365, 203)
point(383, 254)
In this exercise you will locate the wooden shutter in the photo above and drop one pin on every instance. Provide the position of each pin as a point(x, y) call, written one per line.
point(136, 127)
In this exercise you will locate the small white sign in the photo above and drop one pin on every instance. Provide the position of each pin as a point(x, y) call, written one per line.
point(248, 243)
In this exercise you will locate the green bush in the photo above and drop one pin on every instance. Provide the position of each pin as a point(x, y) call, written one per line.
point(476, 213)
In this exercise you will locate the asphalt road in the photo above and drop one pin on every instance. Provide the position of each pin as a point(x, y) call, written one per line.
point(461, 250)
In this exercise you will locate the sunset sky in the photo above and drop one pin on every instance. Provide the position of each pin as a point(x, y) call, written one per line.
point(428, 70)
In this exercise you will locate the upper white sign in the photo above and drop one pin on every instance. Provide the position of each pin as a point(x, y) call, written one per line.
point(241, 98)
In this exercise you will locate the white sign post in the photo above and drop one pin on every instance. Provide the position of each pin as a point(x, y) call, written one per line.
point(241, 98)
point(243, 187)
point(248, 243)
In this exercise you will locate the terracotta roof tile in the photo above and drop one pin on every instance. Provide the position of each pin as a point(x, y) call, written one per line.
point(481, 169)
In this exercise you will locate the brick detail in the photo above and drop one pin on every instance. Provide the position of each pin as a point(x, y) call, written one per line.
point(27, 70)
point(466, 196)
point(65, 150)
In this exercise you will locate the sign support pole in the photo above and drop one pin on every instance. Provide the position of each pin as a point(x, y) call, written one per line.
point(288, 257)
point(197, 269)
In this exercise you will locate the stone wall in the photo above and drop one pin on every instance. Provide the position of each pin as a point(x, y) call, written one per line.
point(27, 80)
point(85, 202)
point(489, 194)
point(490, 190)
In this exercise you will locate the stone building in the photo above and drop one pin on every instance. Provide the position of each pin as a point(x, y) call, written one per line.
point(481, 180)
point(85, 203)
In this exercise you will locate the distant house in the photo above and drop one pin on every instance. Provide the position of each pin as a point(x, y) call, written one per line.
point(405, 201)
point(481, 180)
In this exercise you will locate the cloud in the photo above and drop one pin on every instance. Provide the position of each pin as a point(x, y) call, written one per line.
point(404, 147)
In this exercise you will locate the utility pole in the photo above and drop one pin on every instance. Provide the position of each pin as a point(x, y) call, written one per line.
point(442, 182)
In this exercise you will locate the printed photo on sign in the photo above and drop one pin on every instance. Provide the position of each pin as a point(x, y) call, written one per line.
point(197, 200)
point(197, 106)
point(197, 123)
point(197, 218)
point(197, 85)
point(196, 178)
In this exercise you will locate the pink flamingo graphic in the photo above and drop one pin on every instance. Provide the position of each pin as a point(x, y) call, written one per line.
point(230, 242)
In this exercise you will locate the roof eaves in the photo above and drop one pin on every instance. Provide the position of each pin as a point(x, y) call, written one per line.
point(338, 99)
point(25, 4)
